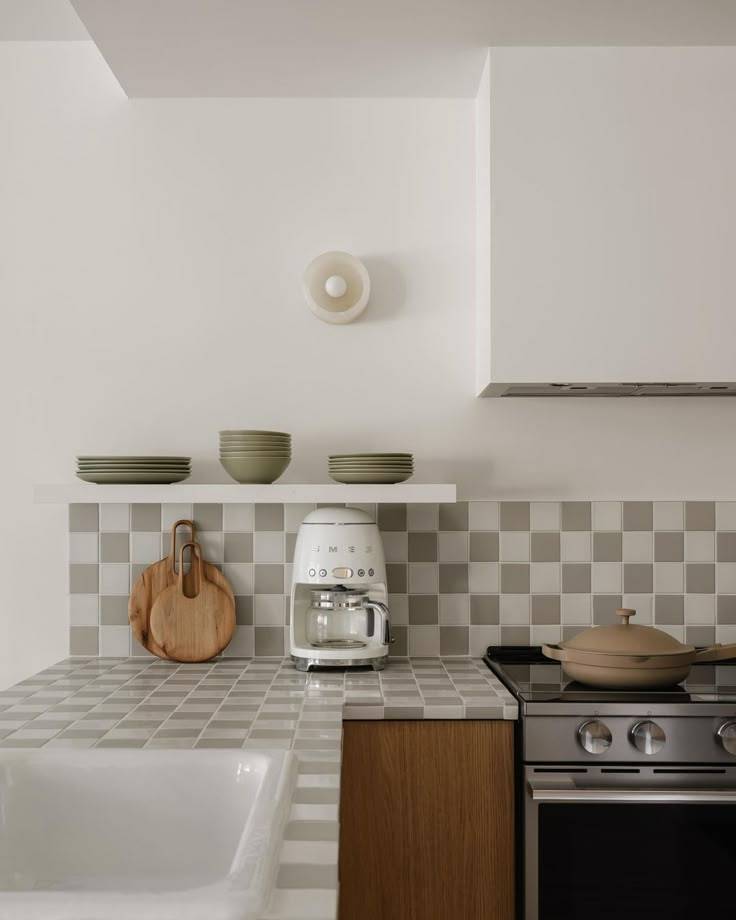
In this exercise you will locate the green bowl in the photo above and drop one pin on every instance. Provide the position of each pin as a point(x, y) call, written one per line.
point(262, 470)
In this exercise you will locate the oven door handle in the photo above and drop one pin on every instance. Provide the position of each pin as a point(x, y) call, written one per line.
point(561, 794)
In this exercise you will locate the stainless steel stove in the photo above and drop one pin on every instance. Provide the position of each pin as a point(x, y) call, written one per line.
point(627, 800)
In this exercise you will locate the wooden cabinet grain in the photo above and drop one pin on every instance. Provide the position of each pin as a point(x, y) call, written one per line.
point(427, 821)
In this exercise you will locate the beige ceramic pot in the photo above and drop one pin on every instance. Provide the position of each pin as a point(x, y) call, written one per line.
point(627, 656)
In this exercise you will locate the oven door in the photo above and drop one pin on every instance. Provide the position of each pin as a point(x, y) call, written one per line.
point(639, 844)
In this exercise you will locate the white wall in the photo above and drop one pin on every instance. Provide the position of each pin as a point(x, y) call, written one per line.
point(150, 259)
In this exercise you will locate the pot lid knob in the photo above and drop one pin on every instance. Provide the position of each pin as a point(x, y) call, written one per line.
point(625, 613)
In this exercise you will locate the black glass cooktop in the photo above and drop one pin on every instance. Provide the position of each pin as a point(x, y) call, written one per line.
point(534, 678)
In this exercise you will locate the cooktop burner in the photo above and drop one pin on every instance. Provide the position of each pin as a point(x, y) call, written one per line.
point(534, 678)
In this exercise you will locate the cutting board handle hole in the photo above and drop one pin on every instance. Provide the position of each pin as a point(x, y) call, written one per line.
point(195, 565)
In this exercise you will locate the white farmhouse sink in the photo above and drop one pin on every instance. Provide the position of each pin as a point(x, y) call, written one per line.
point(140, 835)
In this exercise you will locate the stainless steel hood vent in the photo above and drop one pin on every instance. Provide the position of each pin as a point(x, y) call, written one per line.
point(617, 389)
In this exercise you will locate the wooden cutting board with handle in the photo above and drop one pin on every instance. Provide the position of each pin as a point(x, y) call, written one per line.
point(192, 624)
point(156, 578)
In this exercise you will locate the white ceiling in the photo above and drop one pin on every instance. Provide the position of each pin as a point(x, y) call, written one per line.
point(346, 47)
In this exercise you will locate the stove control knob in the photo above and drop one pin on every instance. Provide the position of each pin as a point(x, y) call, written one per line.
point(727, 737)
point(647, 737)
point(594, 737)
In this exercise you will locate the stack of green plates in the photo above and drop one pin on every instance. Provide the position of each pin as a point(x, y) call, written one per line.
point(249, 455)
point(371, 468)
point(134, 470)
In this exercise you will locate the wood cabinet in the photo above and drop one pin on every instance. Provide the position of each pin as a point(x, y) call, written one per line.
point(427, 821)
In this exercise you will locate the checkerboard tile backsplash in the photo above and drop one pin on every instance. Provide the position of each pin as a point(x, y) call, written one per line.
point(461, 576)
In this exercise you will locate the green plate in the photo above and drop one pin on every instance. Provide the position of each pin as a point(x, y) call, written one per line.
point(254, 431)
point(137, 477)
point(136, 457)
point(371, 457)
point(386, 476)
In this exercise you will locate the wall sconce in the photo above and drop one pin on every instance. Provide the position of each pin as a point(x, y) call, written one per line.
point(336, 286)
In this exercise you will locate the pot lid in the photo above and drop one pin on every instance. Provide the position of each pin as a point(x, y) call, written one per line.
point(626, 638)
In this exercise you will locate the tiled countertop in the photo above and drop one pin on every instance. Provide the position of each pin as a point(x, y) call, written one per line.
point(254, 704)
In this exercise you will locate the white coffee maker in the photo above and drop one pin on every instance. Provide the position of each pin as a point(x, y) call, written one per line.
point(339, 617)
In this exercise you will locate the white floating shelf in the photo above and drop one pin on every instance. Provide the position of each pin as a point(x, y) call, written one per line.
point(306, 493)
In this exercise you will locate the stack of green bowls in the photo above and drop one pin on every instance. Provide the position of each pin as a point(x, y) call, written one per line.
point(255, 456)
point(371, 468)
point(133, 470)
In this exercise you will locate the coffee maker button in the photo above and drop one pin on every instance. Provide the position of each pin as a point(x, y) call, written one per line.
point(312, 573)
point(361, 573)
point(323, 573)
point(371, 572)
point(342, 573)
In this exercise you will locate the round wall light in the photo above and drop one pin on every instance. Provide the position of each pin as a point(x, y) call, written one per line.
point(336, 287)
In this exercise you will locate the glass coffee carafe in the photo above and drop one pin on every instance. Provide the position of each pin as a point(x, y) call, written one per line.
point(341, 618)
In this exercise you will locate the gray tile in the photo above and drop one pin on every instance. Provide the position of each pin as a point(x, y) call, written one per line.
point(514, 515)
point(114, 610)
point(453, 578)
point(83, 640)
point(269, 640)
point(114, 547)
point(238, 547)
point(576, 516)
point(243, 610)
point(145, 518)
point(83, 578)
point(454, 516)
point(700, 578)
point(307, 876)
point(484, 610)
point(422, 547)
point(84, 518)
point(638, 516)
point(727, 546)
point(604, 609)
point(545, 547)
point(208, 517)
point(607, 547)
point(269, 578)
point(392, 517)
point(726, 610)
point(423, 609)
point(454, 640)
point(575, 578)
point(399, 647)
point(669, 546)
point(700, 515)
point(514, 578)
point(546, 609)
point(638, 577)
point(700, 635)
point(483, 546)
point(396, 574)
point(289, 546)
point(269, 517)
point(515, 635)
point(669, 609)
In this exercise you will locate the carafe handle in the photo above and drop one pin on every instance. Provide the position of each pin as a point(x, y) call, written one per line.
point(382, 624)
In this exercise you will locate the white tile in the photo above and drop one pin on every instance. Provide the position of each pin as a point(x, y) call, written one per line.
point(114, 578)
point(453, 546)
point(422, 517)
point(83, 609)
point(725, 515)
point(545, 515)
point(240, 517)
point(145, 548)
point(545, 577)
point(669, 516)
point(398, 605)
point(423, 641)
point(637, 546)
point(454, 609)
point(726, 577)
point(669, 577)
point(606, 577)
point(423, 578)
point(114, 641)
point(213, 545)
point(483, 577)
point(606, 515)
point(171, 512)
point(700, 609)
point(575, 609)
point(115, 517)
point(395, 545)
point(644, 606)
point(268, 546)
point(269, 610)
point(700, 546)
point(724, 634)
point(545, 635)
point(483, 515)
point(83, 547)
point(481, 637)
point(514, 609)
point(240, 576)
point(575, 546)
point(293, 516)
point(513, 546)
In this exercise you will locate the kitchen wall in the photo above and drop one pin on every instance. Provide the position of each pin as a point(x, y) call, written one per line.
point(150, 261)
